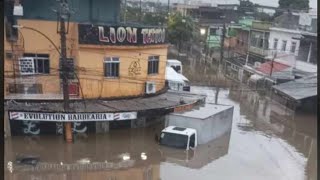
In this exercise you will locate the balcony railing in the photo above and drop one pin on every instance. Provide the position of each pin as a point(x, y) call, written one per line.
point(260, 51)
point(261, 25)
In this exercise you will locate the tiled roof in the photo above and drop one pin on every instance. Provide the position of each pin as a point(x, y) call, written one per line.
point(275, 66)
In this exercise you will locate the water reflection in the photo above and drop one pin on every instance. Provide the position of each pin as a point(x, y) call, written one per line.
point(120, 154)
point(297, 129)
point(202, 155)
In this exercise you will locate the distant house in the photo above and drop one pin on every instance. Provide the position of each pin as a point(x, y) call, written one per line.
point(238, 36)
point(228, 6)
point(299, 94)
point(267, 74)
point(301, 28)
point(284, 40)
point(259, 42)
point(234, 68)
point(281, 72)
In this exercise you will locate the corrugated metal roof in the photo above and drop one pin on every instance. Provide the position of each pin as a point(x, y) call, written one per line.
point(299, 89)
point(166, 100)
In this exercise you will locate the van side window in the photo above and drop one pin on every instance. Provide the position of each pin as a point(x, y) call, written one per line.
point(192, 140)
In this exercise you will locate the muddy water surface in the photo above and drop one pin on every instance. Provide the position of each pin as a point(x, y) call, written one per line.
point(266, 142)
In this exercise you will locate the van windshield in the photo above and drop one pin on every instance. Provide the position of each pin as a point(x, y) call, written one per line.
point(177, 68)
point(174, 140)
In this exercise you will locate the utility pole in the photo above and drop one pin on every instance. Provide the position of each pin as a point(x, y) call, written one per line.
point(168, 7)
point(125, 11)
point(222, 42)
point(274, 56)
point(140, 12)
point(63, 15)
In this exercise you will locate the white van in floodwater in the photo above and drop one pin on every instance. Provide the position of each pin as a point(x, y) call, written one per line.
point(185, 130)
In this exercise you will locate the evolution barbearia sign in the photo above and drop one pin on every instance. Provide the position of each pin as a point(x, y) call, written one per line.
point(71, 117)
point(120, 35)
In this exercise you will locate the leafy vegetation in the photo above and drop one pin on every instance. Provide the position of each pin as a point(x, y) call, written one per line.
point(181, 29)
point(294, 4)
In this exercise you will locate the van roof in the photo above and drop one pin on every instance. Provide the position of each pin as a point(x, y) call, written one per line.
point(203, 112)
point(174, 61)
point(179, 130)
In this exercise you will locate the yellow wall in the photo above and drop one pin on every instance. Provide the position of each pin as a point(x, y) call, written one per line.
point(94, 83)
point(89, 59)
point(36, 43)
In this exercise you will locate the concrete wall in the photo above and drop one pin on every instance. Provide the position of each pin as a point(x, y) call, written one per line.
point(207, 129)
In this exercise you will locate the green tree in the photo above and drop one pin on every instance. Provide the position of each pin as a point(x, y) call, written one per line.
point(154, 19)
point(246, 6)
point(180, 29)
point(294, 4)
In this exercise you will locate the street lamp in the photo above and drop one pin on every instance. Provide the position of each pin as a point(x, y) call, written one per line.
point(30, 28)
point(202, 31)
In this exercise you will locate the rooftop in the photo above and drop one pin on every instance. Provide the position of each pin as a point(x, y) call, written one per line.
point(167, 100)
point(266, 67)
point(174, 61)
point(205, 111)
point(179, 130)
point(299, 89)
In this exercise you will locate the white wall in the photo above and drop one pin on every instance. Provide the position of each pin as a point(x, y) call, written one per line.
point(280, 35)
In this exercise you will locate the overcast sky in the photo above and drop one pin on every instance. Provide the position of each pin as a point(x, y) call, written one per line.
point(312, 3)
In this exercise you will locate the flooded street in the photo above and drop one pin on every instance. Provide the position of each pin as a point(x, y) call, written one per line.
point(266, 142)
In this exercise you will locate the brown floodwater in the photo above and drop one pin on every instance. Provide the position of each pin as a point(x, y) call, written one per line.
point(266, 141)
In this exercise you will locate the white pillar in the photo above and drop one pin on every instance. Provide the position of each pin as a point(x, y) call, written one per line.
point(309, 54)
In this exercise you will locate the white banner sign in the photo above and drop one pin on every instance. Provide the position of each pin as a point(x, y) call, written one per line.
point(71, 117)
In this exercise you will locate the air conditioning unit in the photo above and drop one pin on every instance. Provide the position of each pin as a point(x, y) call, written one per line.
point(150, 87)
point(257, 64)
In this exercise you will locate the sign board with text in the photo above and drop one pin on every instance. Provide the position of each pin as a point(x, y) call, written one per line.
point(71, 117)
point(120, 35)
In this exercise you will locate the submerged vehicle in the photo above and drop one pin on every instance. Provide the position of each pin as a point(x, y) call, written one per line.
point(27, 160)
point(195, 138)
point(188, 129)
point(178, 137)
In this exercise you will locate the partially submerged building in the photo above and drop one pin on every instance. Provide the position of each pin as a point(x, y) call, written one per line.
point(299, 94)
point(107, 60)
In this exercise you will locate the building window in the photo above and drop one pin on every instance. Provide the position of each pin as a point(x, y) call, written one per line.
point(293, 47)
point(260, 45)
point(234, 67)
point(284, 45)
point(34, 64)
point(153, 65)
point(111, 67)
point(257, 39)
point(275, 44)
